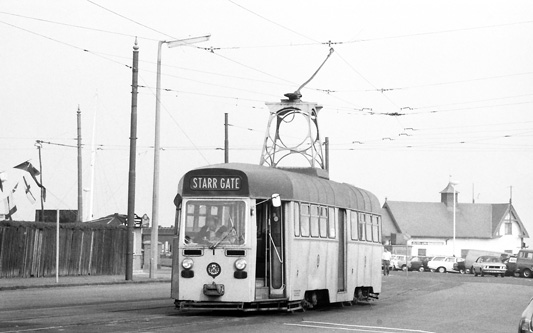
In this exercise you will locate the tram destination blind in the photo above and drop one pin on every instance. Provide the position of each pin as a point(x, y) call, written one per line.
point(215, 183)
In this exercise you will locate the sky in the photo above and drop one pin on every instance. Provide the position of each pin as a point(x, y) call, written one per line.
point(415, 94)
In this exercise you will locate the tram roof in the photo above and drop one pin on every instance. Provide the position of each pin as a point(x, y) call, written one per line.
point(294, 185)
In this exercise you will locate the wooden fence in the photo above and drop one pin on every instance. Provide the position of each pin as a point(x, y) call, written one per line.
point(28, 249)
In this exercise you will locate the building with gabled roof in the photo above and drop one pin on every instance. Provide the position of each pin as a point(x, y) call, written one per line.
point(427, 228)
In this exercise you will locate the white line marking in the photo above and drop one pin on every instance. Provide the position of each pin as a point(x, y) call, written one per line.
point(358, 328)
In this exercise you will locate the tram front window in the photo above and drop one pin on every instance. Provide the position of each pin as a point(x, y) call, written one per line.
point(214, 223)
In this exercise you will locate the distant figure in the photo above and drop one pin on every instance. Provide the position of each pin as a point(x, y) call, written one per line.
point(211, 231)
point(385, 260)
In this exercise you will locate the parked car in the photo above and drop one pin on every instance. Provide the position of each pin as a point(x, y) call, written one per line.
point(490, 265)
point(418, 263)
point(443, 264)
point(510, 263)
point(525, 325)
point(524, 263)
point(397, 262)
point(471, 255)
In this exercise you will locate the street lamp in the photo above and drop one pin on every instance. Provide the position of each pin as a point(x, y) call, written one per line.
point(155, 198)
point(454, 213)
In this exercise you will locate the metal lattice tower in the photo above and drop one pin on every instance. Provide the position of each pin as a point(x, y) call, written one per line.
point(295, 133)
point(292, 133)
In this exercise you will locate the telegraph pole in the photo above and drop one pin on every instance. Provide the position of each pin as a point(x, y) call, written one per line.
point(133, 149)
point(79, 217)
point(39, 145)
point(326, 145)
point(226, 139)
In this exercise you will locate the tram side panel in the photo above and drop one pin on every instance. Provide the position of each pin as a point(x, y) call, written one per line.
point(174, 281)
point(332, 271)
point(377, 275)
point(312, 263)
point(364, 265)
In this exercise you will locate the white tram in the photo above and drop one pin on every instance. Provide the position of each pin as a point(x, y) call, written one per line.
point(320, 243)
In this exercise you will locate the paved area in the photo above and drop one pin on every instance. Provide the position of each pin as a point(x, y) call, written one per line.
point(161, 275)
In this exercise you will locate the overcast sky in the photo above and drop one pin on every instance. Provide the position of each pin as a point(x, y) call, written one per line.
point(415, 93)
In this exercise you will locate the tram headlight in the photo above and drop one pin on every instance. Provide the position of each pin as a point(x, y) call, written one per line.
point(187, 263)
point(240, 264)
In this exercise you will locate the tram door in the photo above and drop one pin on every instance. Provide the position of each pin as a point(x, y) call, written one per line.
point(275, 249)
point(261, 270)
point(269, 260)
point(341, 274)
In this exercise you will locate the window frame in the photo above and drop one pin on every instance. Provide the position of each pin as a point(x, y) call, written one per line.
point(332, 223)
point(305, 219)
point(314, 228)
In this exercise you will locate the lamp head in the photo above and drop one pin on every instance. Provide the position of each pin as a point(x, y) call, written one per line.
point(187, 41)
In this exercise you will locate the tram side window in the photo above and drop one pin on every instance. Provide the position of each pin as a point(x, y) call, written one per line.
point(380, 229)
point(361, 222)
point(296, 219)
point(353, 225)
point(304, 220)
point(331, 223)
point(375, 229)
point(368, 224)
point(323, 221)
point(315, 213)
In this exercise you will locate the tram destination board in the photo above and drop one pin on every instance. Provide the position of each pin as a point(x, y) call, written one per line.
point(215, 181)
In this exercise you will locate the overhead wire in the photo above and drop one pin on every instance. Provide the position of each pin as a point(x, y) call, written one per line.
point(278, 78)
point(64, 43)
point(76, 26)
point(177, 124)
point(273, 22)
point(439, 32)
point(375, 88)
point(127, 18)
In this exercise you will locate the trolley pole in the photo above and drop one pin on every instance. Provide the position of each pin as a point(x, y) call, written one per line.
point(133, 149)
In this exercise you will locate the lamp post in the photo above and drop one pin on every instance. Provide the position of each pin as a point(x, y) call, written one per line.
point(454, 213)
point(155, 198)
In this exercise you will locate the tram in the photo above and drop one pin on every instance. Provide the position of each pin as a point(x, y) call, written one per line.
point(252, 238)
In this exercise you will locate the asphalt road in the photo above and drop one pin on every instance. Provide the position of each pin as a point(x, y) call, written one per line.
point(413, 302)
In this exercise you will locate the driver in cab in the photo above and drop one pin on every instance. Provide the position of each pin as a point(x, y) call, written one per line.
point(211, 231)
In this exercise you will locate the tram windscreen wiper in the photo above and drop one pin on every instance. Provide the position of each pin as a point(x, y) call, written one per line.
point(232, 230)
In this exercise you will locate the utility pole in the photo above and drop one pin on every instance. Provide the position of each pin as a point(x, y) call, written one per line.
point(133, 149)
point(79, 217)
point(226, 139)
point(39, 145)
point(326, 144)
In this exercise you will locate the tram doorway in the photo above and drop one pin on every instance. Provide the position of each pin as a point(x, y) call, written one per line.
point(269, 271)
